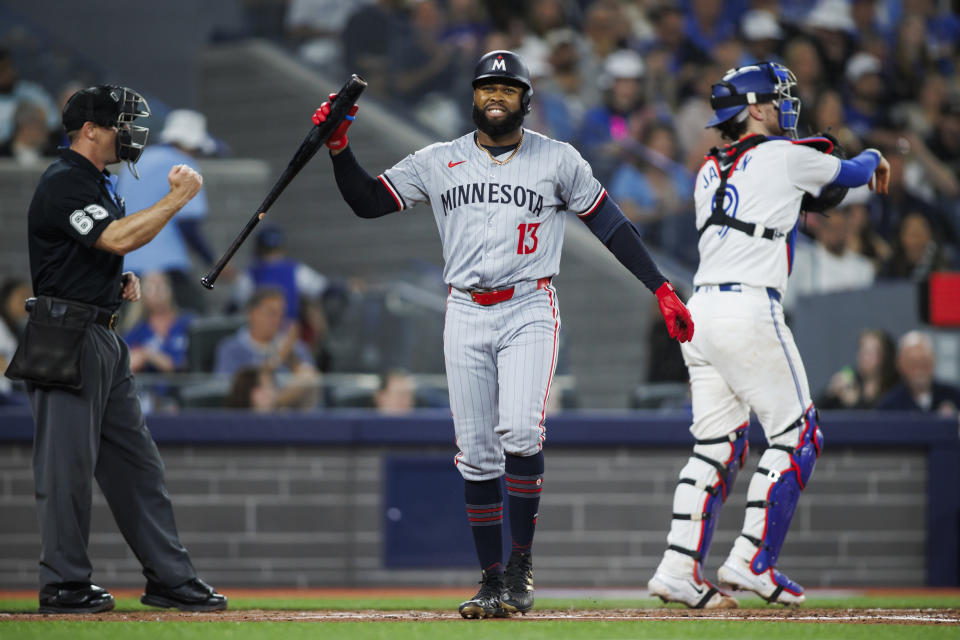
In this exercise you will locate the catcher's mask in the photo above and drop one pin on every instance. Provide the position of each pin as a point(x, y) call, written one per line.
point(754, 84)
point(111, 106)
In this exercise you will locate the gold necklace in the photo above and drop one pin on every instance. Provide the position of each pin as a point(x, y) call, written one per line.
point(490, 155)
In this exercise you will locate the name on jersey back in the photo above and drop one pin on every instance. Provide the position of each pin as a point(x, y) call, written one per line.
point(711, 174)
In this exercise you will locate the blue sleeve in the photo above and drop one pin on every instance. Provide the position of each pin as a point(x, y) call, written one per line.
point(137, 335)
point(622, 239)
point(857, 171)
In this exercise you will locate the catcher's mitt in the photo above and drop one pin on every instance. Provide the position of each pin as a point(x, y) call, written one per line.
point(832, 194)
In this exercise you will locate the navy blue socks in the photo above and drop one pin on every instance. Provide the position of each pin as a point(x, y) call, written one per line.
point(485, 512)
point(484, 501)
point(524, 479)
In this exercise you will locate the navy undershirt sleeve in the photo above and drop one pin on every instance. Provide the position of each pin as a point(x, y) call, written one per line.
point(857, 171)
point(623, 240)
point(366, 195)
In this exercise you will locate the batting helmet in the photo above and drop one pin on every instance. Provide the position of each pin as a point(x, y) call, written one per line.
point(753, 84)
point(505, 65)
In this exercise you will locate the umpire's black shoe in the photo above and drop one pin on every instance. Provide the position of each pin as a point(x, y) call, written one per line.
point(74, 597)
point(486, 603)
point(518, 583)
point(192, 595)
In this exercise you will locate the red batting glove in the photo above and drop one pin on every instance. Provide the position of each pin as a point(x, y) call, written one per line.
point(675, 313)
point(337, 139)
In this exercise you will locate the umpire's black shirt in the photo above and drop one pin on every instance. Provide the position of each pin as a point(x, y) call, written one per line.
point(71, 207)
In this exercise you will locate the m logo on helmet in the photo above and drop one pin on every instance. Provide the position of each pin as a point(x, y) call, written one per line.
point(500, 65)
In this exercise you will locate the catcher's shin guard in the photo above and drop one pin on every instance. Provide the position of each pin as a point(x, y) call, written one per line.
point(782, 473)
point(704, 484)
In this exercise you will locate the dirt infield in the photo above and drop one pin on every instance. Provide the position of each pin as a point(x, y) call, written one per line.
point(945, 616)
point(851, 616)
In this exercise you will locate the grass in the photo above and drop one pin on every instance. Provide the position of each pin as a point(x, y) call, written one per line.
point(469, 630)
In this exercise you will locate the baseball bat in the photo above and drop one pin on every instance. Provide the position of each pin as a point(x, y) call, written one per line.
point(318, 135)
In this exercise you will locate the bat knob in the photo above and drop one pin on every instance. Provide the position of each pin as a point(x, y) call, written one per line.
point(205, 281)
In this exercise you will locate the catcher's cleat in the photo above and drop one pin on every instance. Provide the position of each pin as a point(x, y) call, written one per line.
point(518, 583)
point(771, 585)
point(696, 594)
point(487, 602)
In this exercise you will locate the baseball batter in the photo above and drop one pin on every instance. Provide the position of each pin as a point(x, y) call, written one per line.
point(743, 357)
point(500, 197)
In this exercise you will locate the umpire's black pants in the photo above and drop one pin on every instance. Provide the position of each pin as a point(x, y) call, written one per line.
point(100, 432)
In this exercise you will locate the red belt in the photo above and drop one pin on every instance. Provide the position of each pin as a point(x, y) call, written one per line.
point(487, 298)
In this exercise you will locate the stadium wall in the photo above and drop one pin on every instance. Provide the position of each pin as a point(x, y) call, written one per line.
point(353, 499)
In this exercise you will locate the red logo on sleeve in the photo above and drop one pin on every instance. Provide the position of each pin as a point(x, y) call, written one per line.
point(452, 164)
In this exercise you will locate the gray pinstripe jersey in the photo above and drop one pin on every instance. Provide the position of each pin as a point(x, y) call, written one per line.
point(499, 224)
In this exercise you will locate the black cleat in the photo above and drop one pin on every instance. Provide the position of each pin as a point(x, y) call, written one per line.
point(74, 597)
point(486, 603)
point(192, 595)
point(518, 583)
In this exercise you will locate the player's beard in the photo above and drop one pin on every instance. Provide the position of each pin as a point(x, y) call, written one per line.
point(508, 124)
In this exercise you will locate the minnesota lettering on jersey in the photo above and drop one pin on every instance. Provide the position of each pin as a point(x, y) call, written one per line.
point(494, 193)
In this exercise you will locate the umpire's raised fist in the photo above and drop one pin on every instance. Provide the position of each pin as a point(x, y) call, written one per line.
point(184, 181)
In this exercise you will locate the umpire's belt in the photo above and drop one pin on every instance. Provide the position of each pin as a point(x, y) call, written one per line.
point(487, 297)
point(736, 286)
point(79, 311)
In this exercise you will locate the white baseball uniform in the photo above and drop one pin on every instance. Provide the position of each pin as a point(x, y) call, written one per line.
point(743, 356)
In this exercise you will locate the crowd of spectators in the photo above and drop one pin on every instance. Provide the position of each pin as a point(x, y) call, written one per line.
point(892, 377)
point(625, 81)
point(628, 81)
point(29, 119)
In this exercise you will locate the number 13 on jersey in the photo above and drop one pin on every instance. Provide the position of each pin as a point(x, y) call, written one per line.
point(527, 242)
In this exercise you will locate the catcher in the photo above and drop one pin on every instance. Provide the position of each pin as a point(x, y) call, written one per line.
point(748, 198)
